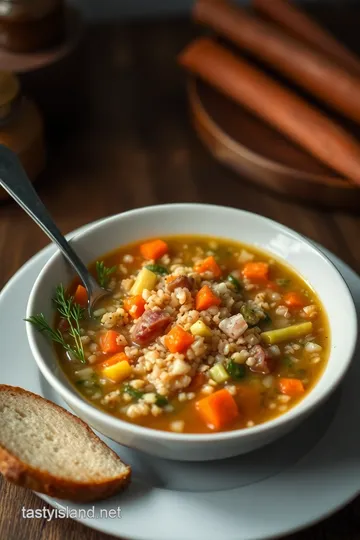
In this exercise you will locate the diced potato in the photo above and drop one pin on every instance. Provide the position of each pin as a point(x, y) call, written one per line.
point(200, 329)
point(219, 373)
point(144, 280)
point(285, 334)
point(118, 372)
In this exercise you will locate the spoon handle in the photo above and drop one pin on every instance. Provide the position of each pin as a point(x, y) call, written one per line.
point(14, 180)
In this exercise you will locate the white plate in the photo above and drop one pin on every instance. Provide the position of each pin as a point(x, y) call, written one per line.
point(284, 487)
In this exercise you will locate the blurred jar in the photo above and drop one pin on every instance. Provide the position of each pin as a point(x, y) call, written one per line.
point(31, 25)
point(21, 126)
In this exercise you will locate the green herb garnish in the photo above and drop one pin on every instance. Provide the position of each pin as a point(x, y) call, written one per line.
point(287, 361)
point(236, 371)
point(132, 391)
point(283, 282)
point(43, 326)
point(104, 273)
point(72, 313)
point(235, 282)
point(267, 319)
point(157, 269)
point(161, 401)
point(251, 316)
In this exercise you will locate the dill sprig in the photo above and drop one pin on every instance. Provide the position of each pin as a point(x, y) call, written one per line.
point(72, 313)
point(104, 273)
point(43, 326)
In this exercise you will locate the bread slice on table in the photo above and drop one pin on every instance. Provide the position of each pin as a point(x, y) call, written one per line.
point(47, 449)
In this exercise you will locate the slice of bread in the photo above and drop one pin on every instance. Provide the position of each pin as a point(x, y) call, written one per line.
point(45, 448)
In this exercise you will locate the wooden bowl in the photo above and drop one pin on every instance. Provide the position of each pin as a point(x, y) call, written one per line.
point(261, 154)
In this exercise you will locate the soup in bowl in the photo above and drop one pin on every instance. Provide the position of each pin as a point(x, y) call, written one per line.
point(216, 338)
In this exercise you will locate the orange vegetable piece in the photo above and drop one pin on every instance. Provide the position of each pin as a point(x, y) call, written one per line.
point(209, 265)
point(205, 298)
point(119, 357)
point(178, 340)
point(135, 306)
point(154, 249)
point(291, 387)
point(218, 410)
point(294, 300)
point(256, 271)
point(108, 342)
point(80, 296)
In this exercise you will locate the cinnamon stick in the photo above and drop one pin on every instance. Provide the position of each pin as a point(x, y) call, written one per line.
point(281, 108)
point(310, 69)
point(302, 26)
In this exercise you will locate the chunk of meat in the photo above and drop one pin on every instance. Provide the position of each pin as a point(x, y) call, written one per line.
point(263, 363)
point(234, 326)
point(150, 325)
point(181, 281)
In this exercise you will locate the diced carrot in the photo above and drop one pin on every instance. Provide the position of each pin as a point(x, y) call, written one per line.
point(169, 279)
point(80, 296)
point(205, 298)
point(119, 357)
point(135, 306)
point(178, 340)
point(209, 265)
point(218, 410)
point(109, 344)
point(197, 381)
point(256, 271)
point(294, 300)
point(154, 249)
point(291, 387)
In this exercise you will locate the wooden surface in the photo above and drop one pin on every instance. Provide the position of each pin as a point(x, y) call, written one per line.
point(135, 148)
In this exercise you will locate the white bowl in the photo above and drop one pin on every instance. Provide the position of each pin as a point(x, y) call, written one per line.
point(218, 221)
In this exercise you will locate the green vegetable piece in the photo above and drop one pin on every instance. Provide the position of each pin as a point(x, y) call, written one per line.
point(157, 269)
point(161, 401)
point(250, 315)
point(235, 282)
point(286, 334)
point(236, 371)
point(219, 374)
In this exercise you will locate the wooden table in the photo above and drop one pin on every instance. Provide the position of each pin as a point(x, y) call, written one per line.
point(136, 148)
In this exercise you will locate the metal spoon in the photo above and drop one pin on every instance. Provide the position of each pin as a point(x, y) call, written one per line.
point(14, 180)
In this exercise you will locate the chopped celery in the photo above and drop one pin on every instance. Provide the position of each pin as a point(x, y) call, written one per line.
point(284, 334)
point(144, 280)
point(219, 373)
point(200, 329)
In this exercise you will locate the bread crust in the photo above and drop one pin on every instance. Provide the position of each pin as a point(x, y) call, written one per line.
point(22, 474)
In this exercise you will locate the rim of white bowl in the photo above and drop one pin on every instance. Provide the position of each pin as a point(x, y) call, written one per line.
point(298, 411)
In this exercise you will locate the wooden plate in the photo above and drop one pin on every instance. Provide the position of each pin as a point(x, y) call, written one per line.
point(262, 155)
